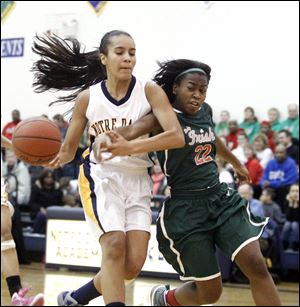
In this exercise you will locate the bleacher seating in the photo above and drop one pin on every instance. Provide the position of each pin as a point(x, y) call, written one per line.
point(289, 261)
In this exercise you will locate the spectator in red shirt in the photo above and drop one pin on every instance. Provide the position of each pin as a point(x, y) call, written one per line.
point(234, 130)
point(254, 168)
point(253, 165)
point(9, 128)
point(265, 128)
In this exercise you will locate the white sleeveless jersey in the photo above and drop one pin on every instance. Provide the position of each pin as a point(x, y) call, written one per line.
point(104, 114)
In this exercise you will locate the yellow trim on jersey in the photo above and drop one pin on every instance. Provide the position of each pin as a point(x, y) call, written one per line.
point(85, 193)
point(85, 153)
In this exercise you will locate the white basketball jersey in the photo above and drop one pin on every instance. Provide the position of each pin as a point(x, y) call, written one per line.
point(104, 114)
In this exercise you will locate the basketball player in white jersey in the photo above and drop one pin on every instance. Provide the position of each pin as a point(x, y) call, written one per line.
point(9, 258)
point(115, 194)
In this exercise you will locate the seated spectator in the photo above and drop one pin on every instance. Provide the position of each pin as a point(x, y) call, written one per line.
point(234, 130)
point(250, 124)
point(66, 187)
point(45, 193)
point(254, 168)
point(18, 179)
point(292, 150)
point(70, 201)
point(9, 128)
point(280, 173)
point(224, 174)
point(62, 124)
point(274, 119)
point(256, 207)
point(242, 141)
point(292, 122)
point(263, 153)
point(222, 128)
point(290, 230)
point(268, 241)
point(271, 208)
point(70, 187)
point(265, 128)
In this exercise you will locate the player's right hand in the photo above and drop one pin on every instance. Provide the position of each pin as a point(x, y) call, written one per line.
point(55, 163)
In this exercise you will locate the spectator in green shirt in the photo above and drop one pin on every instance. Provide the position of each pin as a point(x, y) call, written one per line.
point(292, 122)
point(274, 116)
point(222, 128)
point(250, 124)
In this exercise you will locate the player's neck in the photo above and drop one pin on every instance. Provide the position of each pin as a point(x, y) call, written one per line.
point(117, 88)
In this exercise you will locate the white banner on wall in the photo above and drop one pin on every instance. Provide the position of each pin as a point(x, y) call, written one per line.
point(70, 242)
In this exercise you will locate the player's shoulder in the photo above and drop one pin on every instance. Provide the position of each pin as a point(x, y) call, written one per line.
point(151, 86)
point(82, 100)
point(83, 96)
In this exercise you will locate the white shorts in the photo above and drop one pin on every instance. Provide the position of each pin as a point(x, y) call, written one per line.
point(4, 197)
point(115, 199)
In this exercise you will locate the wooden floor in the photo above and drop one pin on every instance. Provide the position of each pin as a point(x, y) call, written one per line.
point(51, 282)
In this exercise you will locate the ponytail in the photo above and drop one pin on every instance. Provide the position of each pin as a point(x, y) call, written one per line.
point(64, 67)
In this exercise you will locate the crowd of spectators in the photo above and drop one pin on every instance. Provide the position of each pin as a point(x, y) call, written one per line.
point(269, 149)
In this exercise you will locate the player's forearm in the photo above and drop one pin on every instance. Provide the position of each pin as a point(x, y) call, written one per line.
point(68, 151)
point(162, 141)
point(143, 126)
point(226, 154)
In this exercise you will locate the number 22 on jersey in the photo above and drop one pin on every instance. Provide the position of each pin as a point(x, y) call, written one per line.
point(202, 154)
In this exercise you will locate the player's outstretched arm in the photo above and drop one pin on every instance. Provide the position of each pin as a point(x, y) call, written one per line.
point(144, 125)
point(75, 130)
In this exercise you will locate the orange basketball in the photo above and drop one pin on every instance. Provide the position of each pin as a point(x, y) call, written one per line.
point(36, 140)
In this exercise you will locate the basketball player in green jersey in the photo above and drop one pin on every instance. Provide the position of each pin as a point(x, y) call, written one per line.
point(201, 213)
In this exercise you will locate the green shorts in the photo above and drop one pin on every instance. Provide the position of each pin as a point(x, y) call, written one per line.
point(189, 228)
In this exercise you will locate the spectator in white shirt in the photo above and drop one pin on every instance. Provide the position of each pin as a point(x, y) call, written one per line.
point(242, 140)
point(18, 178)
point(263, 153)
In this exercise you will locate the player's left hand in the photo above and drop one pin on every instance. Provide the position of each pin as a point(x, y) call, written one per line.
point(242, 175)
point(119, 146)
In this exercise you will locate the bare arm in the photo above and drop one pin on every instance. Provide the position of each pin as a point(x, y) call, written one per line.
point(226, 154)
point(144, 125)
point(75, 130)
point(171, 137)
point(5, 142)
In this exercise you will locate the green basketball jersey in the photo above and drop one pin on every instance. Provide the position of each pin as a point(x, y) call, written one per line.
point(192, 167)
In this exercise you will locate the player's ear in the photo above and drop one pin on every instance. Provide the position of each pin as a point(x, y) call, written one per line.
point(175, 88)
point(103, 59)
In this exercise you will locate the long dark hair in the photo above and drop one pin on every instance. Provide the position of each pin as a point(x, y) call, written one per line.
point(168, 72)
point(65, 66)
